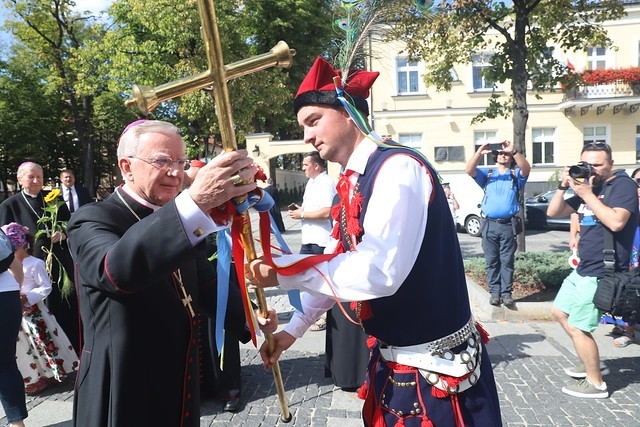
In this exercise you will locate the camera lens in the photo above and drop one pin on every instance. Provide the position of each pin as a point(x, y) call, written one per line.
point(579, 171)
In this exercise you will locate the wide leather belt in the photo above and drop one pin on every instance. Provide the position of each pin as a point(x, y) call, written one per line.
point(499, 220)
point(436, 358)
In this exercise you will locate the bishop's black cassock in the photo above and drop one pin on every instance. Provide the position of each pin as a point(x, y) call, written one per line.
point(139, 363)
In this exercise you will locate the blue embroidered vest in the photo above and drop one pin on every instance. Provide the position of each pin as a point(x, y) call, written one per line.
point(433, 301)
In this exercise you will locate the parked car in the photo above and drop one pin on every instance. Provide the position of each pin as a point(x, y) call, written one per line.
point(468, 218)
point(537, 211)
point(469, 196)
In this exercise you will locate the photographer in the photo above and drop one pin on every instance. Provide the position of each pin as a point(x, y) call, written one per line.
point(573, 307)
point(500, 206)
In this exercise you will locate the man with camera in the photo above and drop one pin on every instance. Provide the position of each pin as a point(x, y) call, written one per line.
point(617, 213)
point(500, 206)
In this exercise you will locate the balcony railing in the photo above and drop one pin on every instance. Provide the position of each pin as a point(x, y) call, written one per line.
point(605, 90)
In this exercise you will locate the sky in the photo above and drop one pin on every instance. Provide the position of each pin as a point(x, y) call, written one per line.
point(94, 6)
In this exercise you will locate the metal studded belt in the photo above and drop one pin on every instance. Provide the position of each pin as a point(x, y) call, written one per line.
point(437, 357)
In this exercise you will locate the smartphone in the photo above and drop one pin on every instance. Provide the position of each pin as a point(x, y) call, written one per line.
point(495, 147)
point(292, 207)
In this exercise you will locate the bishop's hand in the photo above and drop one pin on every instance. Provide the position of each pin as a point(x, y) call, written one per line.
point(217, 182)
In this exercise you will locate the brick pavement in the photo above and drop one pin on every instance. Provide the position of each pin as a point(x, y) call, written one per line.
point(528, 357)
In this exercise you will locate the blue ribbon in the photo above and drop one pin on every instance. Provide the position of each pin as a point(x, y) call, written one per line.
point(223, 275)
point(260, 203)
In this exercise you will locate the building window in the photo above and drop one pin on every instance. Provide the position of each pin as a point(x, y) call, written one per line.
point(596, 58)
point(481, 83)
point(481, 137)
point(595, 134)
point(638, 143)
point(408, 76)
point(449, 154)
point(543, 141)
point(412, 140)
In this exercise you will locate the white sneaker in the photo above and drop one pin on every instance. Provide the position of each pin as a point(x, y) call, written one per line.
point(585, 388)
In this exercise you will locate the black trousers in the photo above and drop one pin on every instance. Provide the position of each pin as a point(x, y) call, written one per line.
point(11, 383)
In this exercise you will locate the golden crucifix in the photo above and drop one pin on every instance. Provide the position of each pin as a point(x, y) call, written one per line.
point(216, 76)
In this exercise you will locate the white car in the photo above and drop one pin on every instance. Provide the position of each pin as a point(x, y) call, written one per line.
point(469, 196)
point(469, 219)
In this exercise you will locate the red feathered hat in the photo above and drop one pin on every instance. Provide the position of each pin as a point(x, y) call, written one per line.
point(318, 87)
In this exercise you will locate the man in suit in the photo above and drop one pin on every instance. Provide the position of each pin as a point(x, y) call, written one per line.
point(75, 195)
point(26, 208)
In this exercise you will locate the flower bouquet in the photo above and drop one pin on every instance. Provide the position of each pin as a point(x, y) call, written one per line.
point(49, 225)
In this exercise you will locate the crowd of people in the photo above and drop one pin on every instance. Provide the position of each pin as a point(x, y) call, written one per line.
point(379, 253)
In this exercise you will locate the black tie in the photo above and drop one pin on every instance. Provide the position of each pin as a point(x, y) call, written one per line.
point(71, 206)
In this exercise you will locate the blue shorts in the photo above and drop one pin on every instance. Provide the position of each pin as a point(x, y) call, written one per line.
point(575, 298)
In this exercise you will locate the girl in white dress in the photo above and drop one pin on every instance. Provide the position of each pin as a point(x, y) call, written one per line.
point(44, 353)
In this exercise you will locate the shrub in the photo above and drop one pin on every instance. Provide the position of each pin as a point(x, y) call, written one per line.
point(536, 269)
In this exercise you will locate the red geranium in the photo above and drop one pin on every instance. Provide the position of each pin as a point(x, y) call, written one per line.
point(629, 75)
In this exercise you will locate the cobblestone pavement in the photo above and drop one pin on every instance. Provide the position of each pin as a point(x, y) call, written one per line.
point(528, 357)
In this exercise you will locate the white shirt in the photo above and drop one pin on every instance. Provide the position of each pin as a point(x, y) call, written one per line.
point(36, 284)
point(318, 194)
point(197, 224)
point(68, 192)
point(395, 224)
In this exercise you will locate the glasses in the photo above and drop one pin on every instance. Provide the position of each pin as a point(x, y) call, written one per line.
point(637, 182)
point(591, 146)
point(165, 163)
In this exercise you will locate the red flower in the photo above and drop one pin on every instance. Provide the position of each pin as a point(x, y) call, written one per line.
point(629, 75)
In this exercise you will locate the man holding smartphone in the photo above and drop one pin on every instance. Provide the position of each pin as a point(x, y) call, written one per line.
point(500, 206)
point(316, 205)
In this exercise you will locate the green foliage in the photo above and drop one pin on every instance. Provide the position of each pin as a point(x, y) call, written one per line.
point(535, 269)
point(65, 80)
point(152, 46)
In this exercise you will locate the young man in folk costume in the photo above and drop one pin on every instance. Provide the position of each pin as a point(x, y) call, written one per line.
point(142, 277)
point(397, 260)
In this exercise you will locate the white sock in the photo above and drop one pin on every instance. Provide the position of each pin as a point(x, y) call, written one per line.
point(602, 386)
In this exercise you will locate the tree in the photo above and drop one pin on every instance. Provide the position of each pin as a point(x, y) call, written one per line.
point(55, 34)
point(151, 46)
point(524, 36)
point(31, 119)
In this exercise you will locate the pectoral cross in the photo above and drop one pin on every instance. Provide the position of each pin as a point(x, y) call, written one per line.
point(186, 301)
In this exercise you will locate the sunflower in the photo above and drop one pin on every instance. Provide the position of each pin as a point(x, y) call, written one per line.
point(53, 194)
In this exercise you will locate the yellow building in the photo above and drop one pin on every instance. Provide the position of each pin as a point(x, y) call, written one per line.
point(439, 123)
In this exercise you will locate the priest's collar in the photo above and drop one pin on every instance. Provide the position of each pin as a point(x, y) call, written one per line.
point(139, 199)
point(33, 196)
point(358, 160)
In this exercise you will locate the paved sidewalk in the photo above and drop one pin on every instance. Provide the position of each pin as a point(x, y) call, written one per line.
point(528, 357)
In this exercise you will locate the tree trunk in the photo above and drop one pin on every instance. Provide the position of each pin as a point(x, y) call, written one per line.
point(519, 89)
